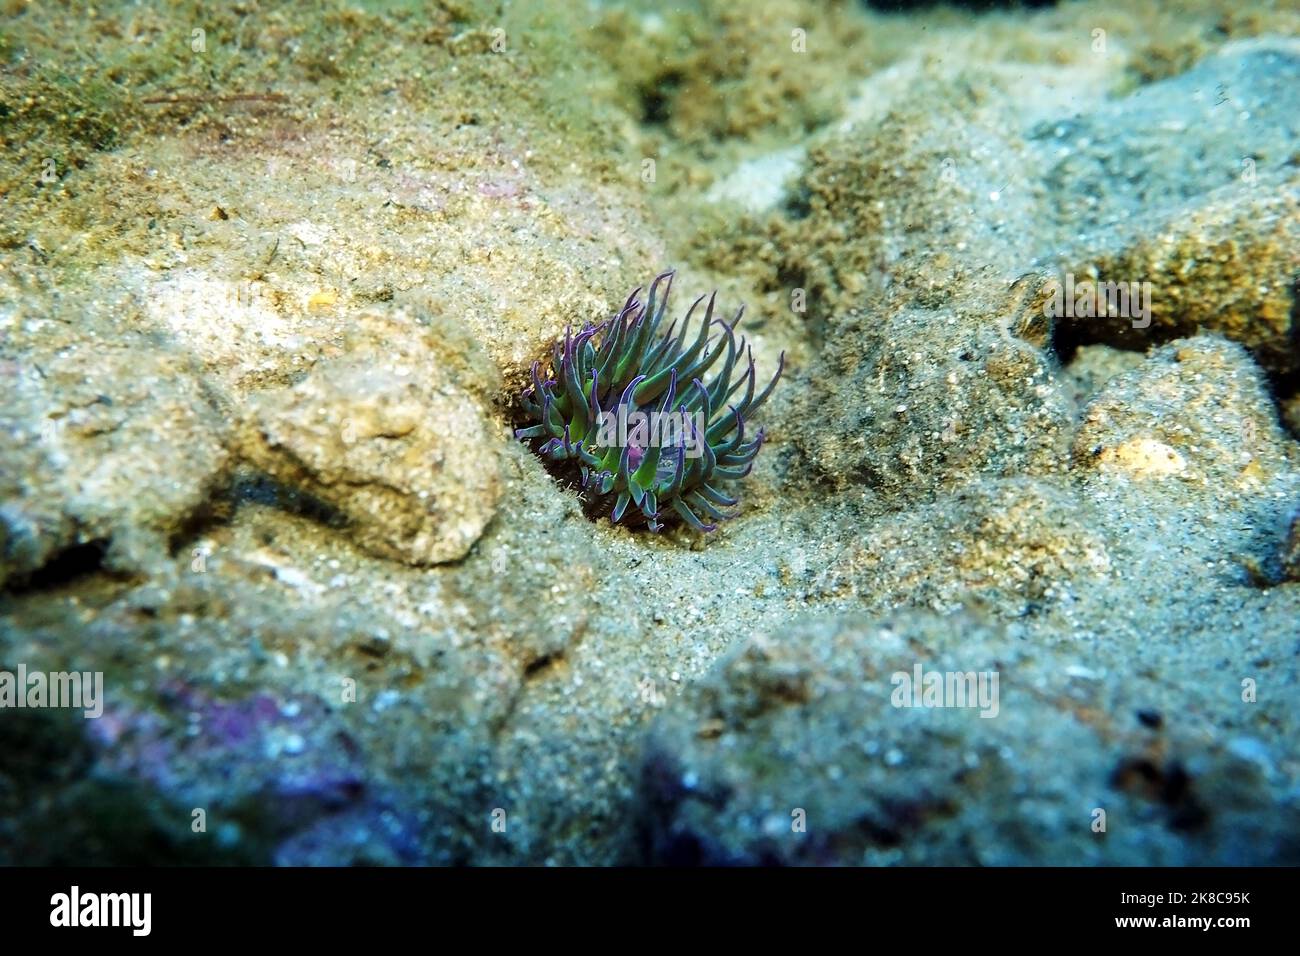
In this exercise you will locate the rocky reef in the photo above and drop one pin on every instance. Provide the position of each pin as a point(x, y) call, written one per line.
point(272, 282)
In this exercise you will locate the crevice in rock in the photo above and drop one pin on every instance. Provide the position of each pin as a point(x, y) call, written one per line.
point(65, 567)
point(251, 487)
point(538, 668)
point(1169, 784)
point(656, 98)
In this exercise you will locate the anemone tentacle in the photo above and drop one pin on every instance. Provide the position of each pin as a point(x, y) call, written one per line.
point(603, 377)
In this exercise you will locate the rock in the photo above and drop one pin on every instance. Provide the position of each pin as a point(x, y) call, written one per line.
point(1092, 366)
point(1189, 439)
point(409, 459)
point(1017, 545)
point(932, 367)
point(1143, 458)
point(1197, 410)
point(114, 443)
point(1290, 409)
point(1226, 264)
point(908, 413)
point(1176, 140)
point(1204, 204)
point(810, 746)
point(1291, 551)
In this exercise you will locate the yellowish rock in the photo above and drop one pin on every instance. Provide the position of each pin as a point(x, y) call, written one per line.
point(1144, 458)
point(322, 299)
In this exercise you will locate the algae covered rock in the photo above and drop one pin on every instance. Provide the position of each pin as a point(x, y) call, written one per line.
point(910, 404)
point(919, 739)
point(1204, 205)
point(1016, 545)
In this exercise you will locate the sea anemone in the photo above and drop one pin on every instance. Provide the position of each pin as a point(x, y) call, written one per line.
point(635, 413)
